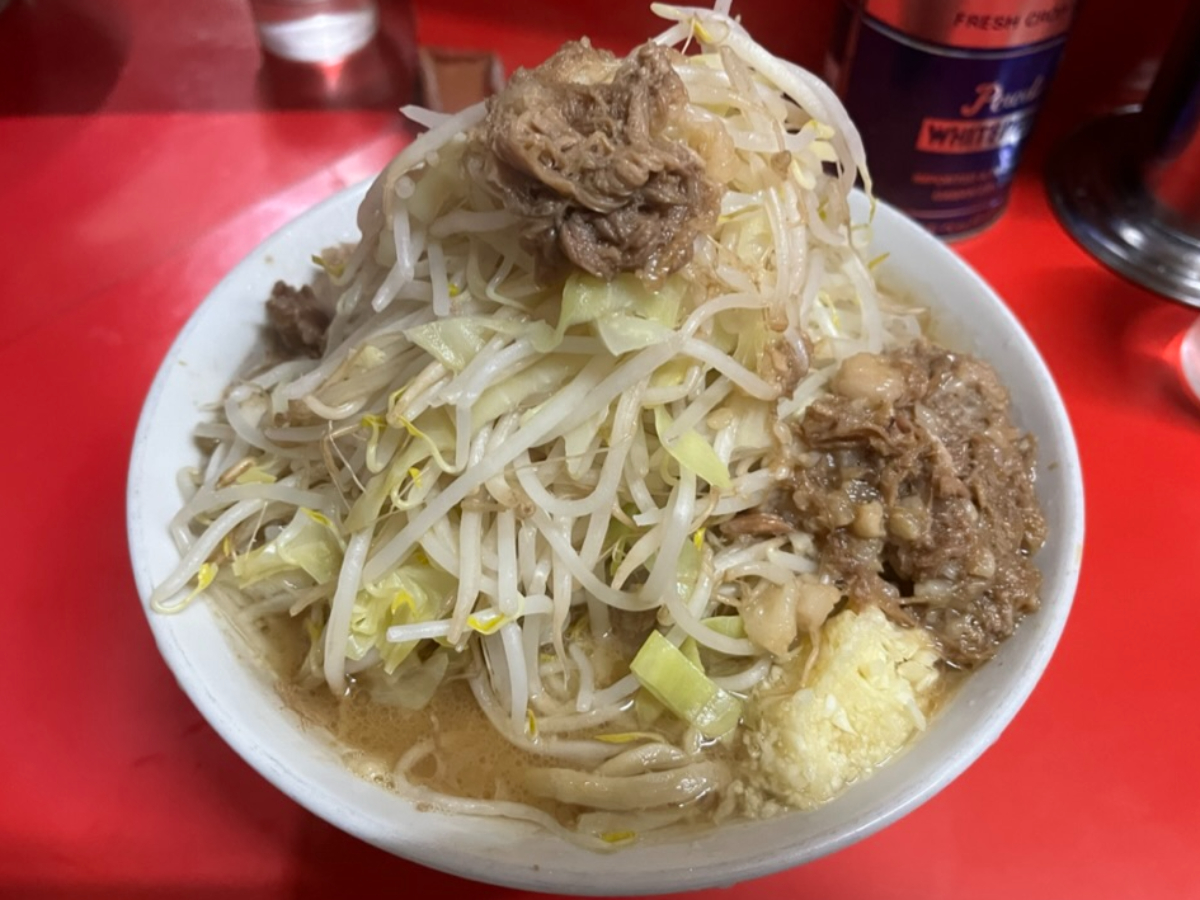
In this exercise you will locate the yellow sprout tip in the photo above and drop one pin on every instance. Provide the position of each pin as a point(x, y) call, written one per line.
point(317, 517)
point(617, 837)
point(488, 623)
point(403, 598)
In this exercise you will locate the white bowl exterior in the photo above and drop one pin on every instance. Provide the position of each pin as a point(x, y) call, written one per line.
point(239, 702)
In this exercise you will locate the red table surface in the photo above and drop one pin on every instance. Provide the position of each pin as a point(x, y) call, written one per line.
point(139, 161)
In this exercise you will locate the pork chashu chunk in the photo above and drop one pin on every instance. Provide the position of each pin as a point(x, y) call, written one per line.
point(920, 492)
point(296, 320)
point(584, 150)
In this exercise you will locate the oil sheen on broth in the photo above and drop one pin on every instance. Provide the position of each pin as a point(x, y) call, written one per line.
point(472, 759)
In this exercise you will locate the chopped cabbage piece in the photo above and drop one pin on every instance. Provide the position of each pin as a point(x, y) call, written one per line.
point(452, 342)
point(624, 313)
point(675, 681)
point(413, 684)
point(415, 592)
point(692, 452)
point(309, 542)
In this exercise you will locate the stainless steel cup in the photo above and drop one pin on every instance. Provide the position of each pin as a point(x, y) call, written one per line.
point(1127, 187)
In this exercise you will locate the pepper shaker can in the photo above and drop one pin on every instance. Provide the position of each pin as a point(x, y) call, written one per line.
point(945, 93)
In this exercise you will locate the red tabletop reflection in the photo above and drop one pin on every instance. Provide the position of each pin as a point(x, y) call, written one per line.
point(145, 147)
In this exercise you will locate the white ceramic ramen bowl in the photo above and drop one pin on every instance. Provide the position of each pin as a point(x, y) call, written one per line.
point(239, 702)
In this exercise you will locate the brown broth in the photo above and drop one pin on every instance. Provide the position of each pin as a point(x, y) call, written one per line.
point(472, 759)
point(475, 760)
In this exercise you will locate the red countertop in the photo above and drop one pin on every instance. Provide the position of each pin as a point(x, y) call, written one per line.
point(144, 149)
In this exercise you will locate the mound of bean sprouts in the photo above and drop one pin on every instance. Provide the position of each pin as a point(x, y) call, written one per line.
point(481, 473)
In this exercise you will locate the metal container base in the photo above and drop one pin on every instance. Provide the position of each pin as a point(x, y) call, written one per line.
point(1111, 215)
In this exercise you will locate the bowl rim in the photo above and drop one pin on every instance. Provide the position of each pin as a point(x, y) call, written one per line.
point(1050, 625)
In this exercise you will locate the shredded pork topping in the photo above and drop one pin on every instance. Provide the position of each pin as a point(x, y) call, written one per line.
point(581, 149)
point(921, 496)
